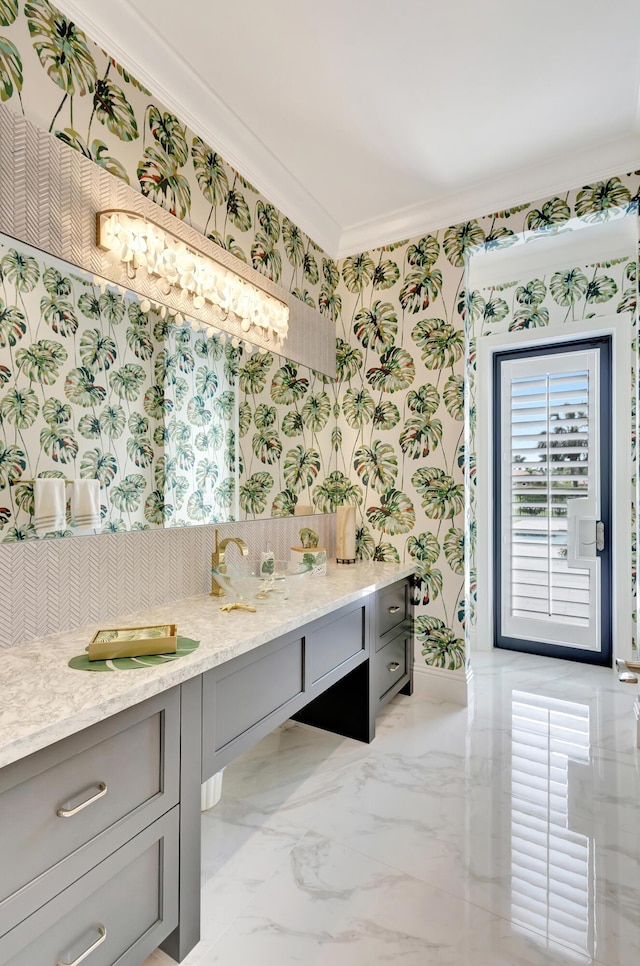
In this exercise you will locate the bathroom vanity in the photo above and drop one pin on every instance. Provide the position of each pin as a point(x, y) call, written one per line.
point(100, 772)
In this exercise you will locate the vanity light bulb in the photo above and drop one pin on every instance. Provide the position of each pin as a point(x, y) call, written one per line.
point(248, 347)
point(145, 305)
point(198, 302)
point(235, 342)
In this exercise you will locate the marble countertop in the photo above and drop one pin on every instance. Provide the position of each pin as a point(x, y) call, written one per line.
point(43, 700)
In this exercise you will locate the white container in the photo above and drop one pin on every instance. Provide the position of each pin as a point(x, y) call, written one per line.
point(211, 791)
point(315, 556)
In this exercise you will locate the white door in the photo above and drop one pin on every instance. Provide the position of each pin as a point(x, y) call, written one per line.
point(552, 446)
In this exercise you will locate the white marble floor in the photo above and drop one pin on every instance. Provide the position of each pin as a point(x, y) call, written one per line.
point(503, 834)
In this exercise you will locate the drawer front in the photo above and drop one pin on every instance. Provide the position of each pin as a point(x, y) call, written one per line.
point(236, 701)
point(335, 642)
point(123, 908)
point(391, 663)
point(122, 773)
point(391, 609)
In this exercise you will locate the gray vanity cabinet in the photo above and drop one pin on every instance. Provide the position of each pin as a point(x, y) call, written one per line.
point(73, 818)
point(392, 652)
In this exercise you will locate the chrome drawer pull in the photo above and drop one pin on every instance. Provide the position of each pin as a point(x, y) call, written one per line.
point(393, 667)
point(394, 609)
point(69, 812)
point(99, 941)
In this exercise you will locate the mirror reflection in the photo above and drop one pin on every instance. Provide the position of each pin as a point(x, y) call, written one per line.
point(179, 427)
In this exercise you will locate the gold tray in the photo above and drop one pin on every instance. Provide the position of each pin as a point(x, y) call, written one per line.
point(133, 642)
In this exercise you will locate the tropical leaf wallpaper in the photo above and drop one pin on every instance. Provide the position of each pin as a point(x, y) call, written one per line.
point(388, 436)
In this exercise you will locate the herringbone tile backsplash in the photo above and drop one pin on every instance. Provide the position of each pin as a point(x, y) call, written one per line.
point(57, 585)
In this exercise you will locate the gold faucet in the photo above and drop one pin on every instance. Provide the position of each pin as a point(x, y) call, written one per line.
point(217, 560)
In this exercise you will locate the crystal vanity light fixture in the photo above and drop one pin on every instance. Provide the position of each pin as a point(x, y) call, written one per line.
point(142, 245)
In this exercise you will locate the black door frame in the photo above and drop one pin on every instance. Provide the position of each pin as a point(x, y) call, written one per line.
point(603, 657)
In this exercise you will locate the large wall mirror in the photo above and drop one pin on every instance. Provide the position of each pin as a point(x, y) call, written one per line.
point(179, 427)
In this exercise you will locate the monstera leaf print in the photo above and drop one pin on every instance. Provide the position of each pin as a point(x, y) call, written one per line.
point(206, 382)
point(304, 295)
point(453, 395)
point(348, 360)
point(114, 110)
point(459, 238)
point(424, 400)
point(59, 444)
point(420, 289)
point(55, 412)
point(567, 288)
point(197, 509)
point(453, 545)
point(330, 304)
point(420, 437)
point(12, 324)
point(316, 411)
point(8, 12)
point(396, 513)
point(358, 272)
point(62, 48)
point(13, 463)
point(441, 345)
point(385, 552)
point(160, 180)
point(126, 495)
point(137, 423)
point(600, 289)
point(269, 220)
point(471, 306)
point(336, 490)
point(386, 415)
point(210, 172)
point(293, 242)
point(292, 425)
point(376, 327)
point(59, 314)
point(20, 407)
point(267, 447)
point(550, 217)
point(265, 416)
point(41, 361)
point(495, 310)
point(156, 510)
point(386, 275)
point(20, 270)
point(301, 467)
point(424, 548)
point(56, 283)
point(310, 268)
point(265, 257)
point(358, 407)
point(156, 404)
point(376, 465)
point(500, 238)
point(441, 496)
point(96, 152)
point(238, 210)
point(254, 492)
point(628, 300)
point(330, 274)
point(598, 202)
point(365, 544)
point(97, 350)
point(286, 386)
point(207, 473)
point(284, 504)
point(396, 371)
point(424, 253)
point(336, 439)
point(438, 643)
point(89, 305)
point(113, 420)
point(197, 412)
point(431, 584)
point(11, 75)
point(80, 388)
point(253, 374)
point(529, 317)
point(112, 306)
point(127, 381)
point(532, 293)
point(167, 130)
point(5, 375)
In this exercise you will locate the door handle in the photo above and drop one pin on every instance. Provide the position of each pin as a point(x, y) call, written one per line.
point(600, 535)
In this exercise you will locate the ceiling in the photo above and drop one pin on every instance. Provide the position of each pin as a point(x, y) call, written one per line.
point(368, 121)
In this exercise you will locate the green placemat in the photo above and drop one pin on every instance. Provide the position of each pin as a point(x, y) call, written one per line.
point(82, 662)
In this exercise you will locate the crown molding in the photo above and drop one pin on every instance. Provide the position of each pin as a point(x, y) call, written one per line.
point(533, 183)
point(139, 48)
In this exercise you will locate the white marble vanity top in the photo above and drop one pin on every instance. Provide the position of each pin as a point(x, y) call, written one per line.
point(43, 700)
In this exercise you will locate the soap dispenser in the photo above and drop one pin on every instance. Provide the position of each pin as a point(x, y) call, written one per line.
point(267, 563)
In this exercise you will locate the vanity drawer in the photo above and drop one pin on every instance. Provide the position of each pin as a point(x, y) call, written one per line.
point(124, 907)
point(392, 664)
point(335, 641)
point(70, 805)
point(391, 609)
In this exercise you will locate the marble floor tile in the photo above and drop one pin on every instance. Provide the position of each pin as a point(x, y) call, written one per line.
point(506, 833)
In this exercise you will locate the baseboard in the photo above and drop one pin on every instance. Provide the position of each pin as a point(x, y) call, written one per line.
point(438, 684)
